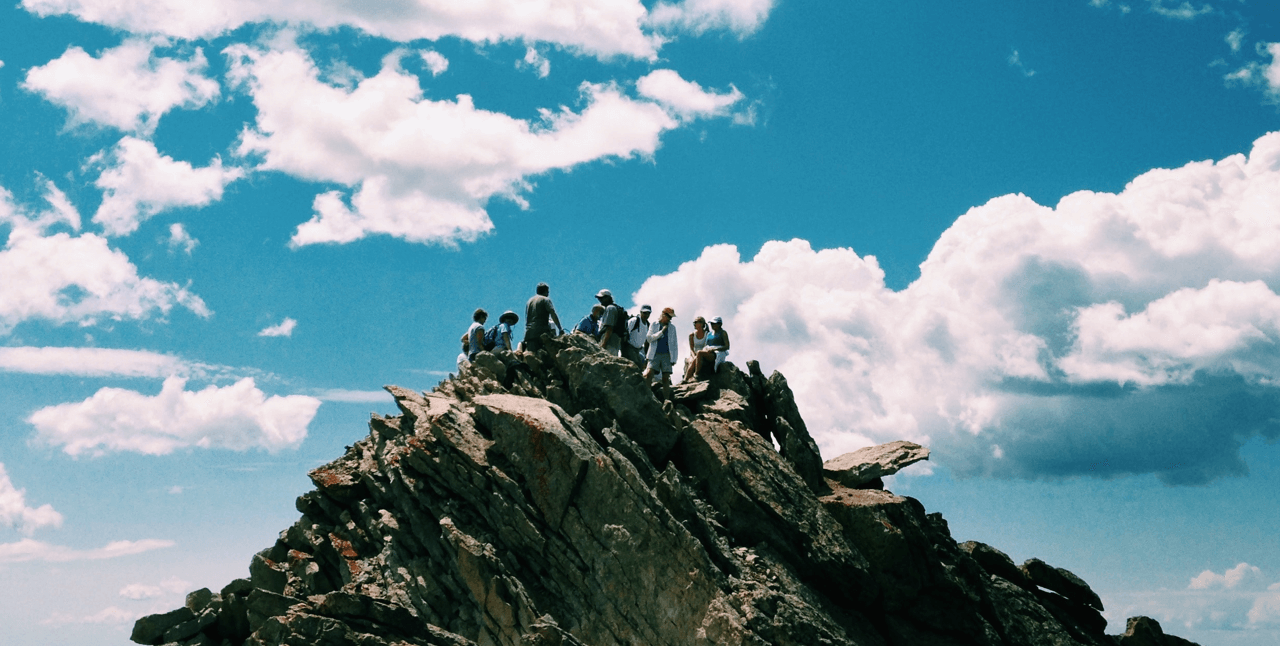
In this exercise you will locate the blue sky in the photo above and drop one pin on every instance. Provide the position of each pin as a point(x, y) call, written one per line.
point(1040, 238)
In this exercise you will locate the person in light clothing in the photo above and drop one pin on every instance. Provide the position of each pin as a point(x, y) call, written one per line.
point(664, 347)
point(475, 334)
point(637, 330)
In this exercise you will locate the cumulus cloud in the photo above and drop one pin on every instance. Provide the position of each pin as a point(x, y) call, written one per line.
point(534, 60)
point(67, 278)
point(1261, 75)
point(421, 170)
point(742, 17)
point(284, 328)
point(435, 61)
point(179, 238)
point(237, 417)
point(32, 550)
point(1112, 334)
point(127, 87)
point(15, 513)
point(603, 28)
point(139, 182)
point(685, 99)
point(1243, 577)
point(140, 591)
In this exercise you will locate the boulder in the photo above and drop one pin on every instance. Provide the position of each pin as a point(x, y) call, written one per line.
point(866, 464)
point(1061, 581)
point(997, 563)
point(151, 629)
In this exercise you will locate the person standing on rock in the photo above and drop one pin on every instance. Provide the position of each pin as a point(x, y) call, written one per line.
point(664, 347)
point(539, 314)
point(475, 334)
point(612, 322)
point(637, 330)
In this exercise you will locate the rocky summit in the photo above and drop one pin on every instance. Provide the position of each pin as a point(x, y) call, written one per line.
point(558, 499)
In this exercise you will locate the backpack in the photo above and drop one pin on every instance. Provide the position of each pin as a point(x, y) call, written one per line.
point(491, 338)
point(620, 323)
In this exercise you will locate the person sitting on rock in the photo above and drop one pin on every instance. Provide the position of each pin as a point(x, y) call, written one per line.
point(475, 334)
point(590, 324)
point(539, 314)
point(466, 350)
point(717, 343)
point(505, 322)
point(664, 347)
point(697, 341)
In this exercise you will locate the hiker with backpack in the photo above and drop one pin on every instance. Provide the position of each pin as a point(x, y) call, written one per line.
point(637, 330)
point(475, 334)
point(613, 324)
point(499, 336)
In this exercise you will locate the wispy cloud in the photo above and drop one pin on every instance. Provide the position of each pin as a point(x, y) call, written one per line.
point(342, 395)
point(284, 328)
point(169, 586)
point(32, 550)
point(1015, 61)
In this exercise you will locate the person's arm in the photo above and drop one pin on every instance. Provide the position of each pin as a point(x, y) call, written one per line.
point(655, 334)
point(604, 338)
point(691, 351)
point(554, 316)
point(506, 335)
point(726, 342)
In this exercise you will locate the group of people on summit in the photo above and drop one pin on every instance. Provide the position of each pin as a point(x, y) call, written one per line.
point(652, 345)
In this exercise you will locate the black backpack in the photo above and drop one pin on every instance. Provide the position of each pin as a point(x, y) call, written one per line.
point(620, 323)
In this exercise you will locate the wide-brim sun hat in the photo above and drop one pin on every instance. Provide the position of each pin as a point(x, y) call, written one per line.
point(515, 318)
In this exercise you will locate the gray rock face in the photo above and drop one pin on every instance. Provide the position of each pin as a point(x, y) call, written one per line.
point(554, 500)
point(860, 467)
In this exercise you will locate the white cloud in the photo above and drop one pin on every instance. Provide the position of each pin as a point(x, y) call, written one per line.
point(534, 60)
point(285, 328)
point(15, 513)
point(108, 615)
point(743, 17)
point(350, 396)
point(91, 362)
point(1265, 610)
point(1243, 577)
point(179, 238)
point(32, 550)
point(175, 490)
point(139, 182)
point(421, 170)
point(237, 417)
point(1136, 332)
point(435, 61)
point(1015, 61)
point(685, 99)
point(64, 278)
point(140, 591)
point(603, 28)
point(1181, 10)
point(127, 87)
point(1262, 75)
point(1235, 39)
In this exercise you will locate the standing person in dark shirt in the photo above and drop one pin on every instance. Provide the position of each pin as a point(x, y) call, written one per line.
point(539, 313)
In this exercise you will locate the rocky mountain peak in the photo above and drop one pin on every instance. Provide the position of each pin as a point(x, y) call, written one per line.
point(556, 499)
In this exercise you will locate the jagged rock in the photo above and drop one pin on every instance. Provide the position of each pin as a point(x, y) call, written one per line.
point(1145, 631)
point(151, 629)
point(866, 464)
point(1061, 581)
point(997, 563)
point(554, 500)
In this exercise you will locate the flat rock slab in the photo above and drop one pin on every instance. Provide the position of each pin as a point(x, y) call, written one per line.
point(864, 465)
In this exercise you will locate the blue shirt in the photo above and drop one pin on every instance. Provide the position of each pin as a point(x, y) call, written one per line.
point(663, 347)
point(503, 328)
point(588, 325)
